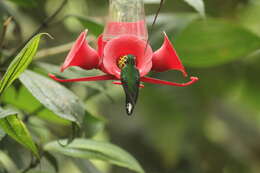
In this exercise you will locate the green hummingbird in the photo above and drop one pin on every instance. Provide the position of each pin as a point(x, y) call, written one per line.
point(130, 78)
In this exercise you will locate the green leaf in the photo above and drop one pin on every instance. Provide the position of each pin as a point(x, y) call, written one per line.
point(5, 113)
point(23, 99)
point(15, 128)
point(7, 163)
point(25, 3)
point(152, 1)
point(20, 63)
point(94, 27)
point(73, 72)
point(214, 42)
point(52, 160)
point(90, 149)
point(198, 5)
point(92, 125)
point(54, 96)
point(2, 134)
point(20, 99)
point(85, 165)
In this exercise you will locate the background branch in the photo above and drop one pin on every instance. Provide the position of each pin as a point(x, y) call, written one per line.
point(54, 50)
point(59, 49)
point(5, 26)
point(43, 25)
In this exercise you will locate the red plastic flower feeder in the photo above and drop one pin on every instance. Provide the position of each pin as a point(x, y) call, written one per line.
point(125, 34)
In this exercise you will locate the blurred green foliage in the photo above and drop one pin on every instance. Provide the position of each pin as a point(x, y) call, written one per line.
point(209, 127)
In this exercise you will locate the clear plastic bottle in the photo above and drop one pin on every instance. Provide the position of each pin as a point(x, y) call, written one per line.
point(126, 17)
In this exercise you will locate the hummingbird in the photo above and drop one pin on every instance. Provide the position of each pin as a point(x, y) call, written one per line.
point(130, 79)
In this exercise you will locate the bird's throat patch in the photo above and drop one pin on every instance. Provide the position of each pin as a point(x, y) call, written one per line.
point(122, 61)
